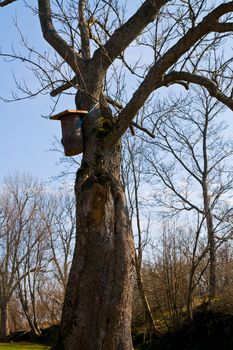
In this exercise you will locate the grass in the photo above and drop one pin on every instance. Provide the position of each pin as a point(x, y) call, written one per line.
point(23, 346)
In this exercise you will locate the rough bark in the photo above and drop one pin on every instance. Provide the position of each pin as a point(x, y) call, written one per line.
point(97, 307)
point(4, 319)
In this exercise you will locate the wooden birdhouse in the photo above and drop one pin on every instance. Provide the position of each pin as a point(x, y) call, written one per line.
point(71, 121)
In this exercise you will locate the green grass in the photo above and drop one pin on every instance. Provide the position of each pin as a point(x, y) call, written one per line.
point(23, 346)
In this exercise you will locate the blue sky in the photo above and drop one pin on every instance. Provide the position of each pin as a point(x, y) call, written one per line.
point(24, 134)
point(26, 137)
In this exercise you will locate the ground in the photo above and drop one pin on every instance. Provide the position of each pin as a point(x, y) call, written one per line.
point(23, 346)
point(211, 329)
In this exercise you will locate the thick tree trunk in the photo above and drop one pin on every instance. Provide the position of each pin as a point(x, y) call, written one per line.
point(97, 306)
point(4, 319)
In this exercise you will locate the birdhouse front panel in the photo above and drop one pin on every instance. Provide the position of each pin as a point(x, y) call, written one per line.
point(71, 121)
point(72, 135)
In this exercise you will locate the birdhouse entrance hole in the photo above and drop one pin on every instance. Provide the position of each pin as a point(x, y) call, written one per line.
point(71, 121)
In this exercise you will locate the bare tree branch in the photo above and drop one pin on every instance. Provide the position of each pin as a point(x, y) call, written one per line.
point(209, 84)
point(224, 27)
point(114, 103)
point(84, 30)
point(6, 2)
point(128, 32)
point(148, 132)
point(155, 76)
point(64, 87)
point(54, 39)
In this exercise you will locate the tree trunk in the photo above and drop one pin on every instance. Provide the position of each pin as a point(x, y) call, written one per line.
point(212, 270)
point(208, 215)
point(32, 323)
point(190, 292)
point(4, 320)
point(97, 306)
point(30, 318)
point(190, 302)
point(211, 243)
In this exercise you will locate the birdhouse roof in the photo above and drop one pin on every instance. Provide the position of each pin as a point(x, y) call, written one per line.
point(67, 112)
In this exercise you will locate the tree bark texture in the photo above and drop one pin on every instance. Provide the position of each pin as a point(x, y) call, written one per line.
point(97, 307)
point(4, 319)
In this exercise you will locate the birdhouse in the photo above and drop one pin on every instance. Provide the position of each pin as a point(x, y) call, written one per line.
point(71, 121)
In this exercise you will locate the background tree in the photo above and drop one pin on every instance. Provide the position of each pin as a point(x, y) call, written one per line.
point(37, 233)
point(30, 270)
point(132, 174)
point(196, 175)
point(89, 37)
point(59, 217)
point(20, 233)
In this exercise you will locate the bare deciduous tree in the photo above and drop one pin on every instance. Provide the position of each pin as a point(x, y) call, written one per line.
point(20, 233)
point(196, 176)
point(88, 37)
point(132, 172)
